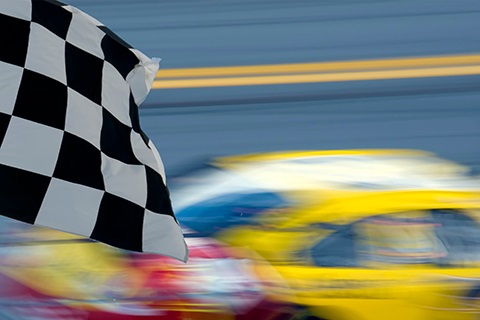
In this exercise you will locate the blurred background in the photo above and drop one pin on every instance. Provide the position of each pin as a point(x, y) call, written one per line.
point(434, 113)
point(279, 124)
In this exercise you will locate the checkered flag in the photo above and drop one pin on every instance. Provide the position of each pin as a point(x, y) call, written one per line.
point(72, 154)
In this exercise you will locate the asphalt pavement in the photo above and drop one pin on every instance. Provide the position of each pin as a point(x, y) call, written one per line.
point(439, 114)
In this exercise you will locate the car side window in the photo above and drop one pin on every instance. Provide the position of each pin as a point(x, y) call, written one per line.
point(438, 237)
point(405, 238)
point(460, 235)
point(336, 250)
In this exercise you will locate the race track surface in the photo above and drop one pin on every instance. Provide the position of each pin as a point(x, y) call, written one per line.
point(439, 114)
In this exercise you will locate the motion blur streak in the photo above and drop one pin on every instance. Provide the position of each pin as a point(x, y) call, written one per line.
point(319, 72)
point(455, 60)
point(319, 77)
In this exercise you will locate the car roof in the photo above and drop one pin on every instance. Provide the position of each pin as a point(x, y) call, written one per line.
point(381, 169)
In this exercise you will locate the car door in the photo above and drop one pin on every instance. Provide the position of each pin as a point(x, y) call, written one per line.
point(394, 266)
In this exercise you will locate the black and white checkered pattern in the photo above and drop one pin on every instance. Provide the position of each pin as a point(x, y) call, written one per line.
point(72, 154)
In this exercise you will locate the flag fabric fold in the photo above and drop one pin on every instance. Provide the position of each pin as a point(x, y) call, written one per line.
point(72, 154)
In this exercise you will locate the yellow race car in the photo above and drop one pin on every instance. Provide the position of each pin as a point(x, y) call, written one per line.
point(354, 234)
